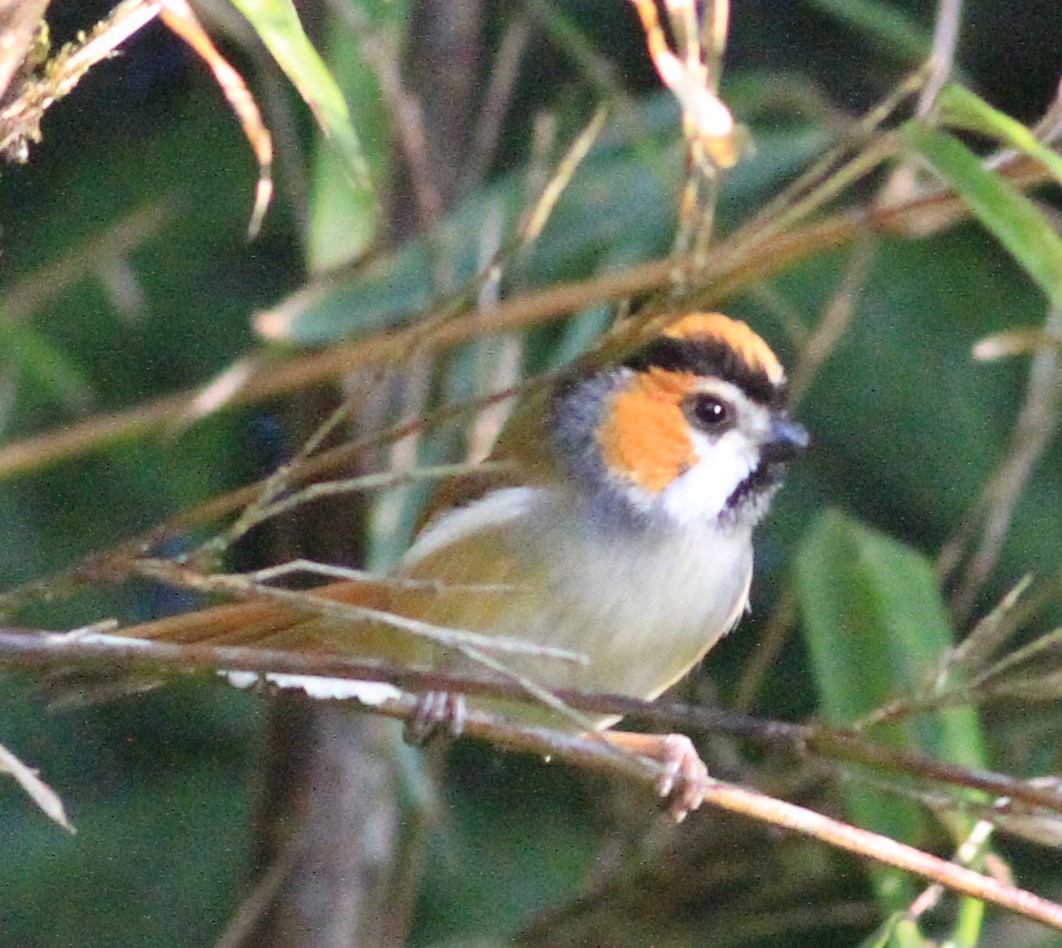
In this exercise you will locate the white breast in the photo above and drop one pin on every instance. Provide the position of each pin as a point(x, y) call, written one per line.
point(642, 605)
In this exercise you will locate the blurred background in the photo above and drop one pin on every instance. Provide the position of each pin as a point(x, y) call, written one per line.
point(206, 815)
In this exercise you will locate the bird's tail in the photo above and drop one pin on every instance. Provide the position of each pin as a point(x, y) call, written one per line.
point(267, 622)
point(261, 623)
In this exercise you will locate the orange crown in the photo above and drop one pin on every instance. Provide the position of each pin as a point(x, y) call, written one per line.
point(735, 334)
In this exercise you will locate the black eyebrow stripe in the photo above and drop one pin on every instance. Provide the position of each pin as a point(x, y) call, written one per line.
point(709, 356)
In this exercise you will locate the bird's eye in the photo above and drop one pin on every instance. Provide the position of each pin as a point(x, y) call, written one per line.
point(708, 412)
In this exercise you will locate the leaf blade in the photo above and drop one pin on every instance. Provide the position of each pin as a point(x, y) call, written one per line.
point(876, 625)
point(1011, 217)
point(277, 24)
point(961, 108)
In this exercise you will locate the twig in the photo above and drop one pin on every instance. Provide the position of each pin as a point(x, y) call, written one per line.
point(971, 848)
point(500, 87)
point(1032, 435)
point(331, 571)
point(20, 21)
point(20, 120)
point(405, 110)
point(256, 902)
point(942, 55)
point(586, 752)
point(733, 267)
point(727, 796)
point(27, 650)
point(352, 485)
point(777, 629)
point(835, 321)
point(114, 564)
point(30, 294)
point(344, 612)
point(539, 213)
point(885, 850)
point(853, 141)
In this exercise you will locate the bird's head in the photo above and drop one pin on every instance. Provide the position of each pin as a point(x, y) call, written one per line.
point(692, 428)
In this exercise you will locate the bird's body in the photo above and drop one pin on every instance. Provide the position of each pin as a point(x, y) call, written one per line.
point(543, 558)
point(621, 530)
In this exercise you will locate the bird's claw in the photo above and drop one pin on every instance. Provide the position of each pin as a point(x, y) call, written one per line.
point(685, 779)
point(437, 712)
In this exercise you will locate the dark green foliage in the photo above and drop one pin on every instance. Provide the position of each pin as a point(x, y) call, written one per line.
point(906, 428)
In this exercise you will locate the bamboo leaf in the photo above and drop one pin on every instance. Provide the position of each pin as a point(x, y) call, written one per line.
point(343, 218)
point(278, 25)
point(1014, 220)
point(876, 626)
point(961, 108)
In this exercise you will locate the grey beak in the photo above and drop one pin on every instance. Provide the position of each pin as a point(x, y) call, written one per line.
point(786, 441)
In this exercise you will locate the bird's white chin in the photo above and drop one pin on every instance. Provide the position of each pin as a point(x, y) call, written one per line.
point(701, 493)
point(727, 471)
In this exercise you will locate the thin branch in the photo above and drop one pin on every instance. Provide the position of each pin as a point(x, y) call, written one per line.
point(854, 139)
point(21, 650)
point(275, 484)
point(834, 322)
point(331, 571)
point(1032, 435)
point(256, 902)
point(114, 565)
point(478, 648)
point(885, 850)
point(777, 629)
point(733, 267)
point(365, 482)
point(942, 56)
point(20, 119)
point(20, 24)
point(32, 293)
point(344, 612)
point(588, 752)
point(503, 77)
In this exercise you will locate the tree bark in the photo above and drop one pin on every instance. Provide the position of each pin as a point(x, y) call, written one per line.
point(330, 830)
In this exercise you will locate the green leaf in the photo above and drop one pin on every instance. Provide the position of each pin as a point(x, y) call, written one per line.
point(1015, 221)
point(618, 208)
point(876, 626)
point(343, 217)
point(278, 25)
point(961, 108)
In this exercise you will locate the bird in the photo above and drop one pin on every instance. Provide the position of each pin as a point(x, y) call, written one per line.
point(616, 522)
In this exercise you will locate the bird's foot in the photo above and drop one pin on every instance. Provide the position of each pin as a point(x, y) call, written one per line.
point(685, 779)
point(437, 713)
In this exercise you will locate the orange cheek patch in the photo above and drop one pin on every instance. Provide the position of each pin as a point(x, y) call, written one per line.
point(645, 436)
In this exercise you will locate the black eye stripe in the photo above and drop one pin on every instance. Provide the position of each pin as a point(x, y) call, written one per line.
point(709, 357)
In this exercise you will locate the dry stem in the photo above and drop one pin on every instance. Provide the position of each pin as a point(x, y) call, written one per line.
point(35, 650)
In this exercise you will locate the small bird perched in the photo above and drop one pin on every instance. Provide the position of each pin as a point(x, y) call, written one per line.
point(620, 528)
